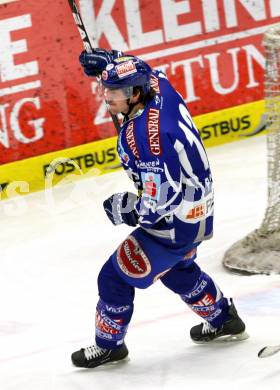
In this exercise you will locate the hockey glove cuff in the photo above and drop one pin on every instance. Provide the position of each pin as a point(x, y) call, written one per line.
point(120, 208)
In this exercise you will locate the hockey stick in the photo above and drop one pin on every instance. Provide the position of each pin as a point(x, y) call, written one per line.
point(87, 45)
point(264, 123)
point(268, 351)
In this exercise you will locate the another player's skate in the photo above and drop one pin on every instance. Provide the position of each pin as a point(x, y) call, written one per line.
point(94, 356)
point(232, 330)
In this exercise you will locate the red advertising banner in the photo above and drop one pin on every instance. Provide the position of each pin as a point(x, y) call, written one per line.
point(211, 51)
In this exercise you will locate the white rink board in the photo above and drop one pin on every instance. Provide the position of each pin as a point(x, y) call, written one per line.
point(49, 262)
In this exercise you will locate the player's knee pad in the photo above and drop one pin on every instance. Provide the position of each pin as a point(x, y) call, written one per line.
point(112, 288)
point(111, 323)
point(206, 300)
point(182, 277)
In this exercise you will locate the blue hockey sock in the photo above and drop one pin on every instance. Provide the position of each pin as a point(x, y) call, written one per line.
point(207, 300)
point(111, 323)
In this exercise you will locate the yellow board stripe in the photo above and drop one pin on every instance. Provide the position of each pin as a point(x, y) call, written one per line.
point(95, 158)
point(231, 124)
point(52, 168)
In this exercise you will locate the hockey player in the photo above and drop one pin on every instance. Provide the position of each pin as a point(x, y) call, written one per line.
point(161, 151)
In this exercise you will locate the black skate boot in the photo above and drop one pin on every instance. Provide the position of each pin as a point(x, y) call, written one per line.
point(94, 356)
point(231, 330)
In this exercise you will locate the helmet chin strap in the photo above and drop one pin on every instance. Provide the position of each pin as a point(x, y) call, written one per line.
point(130, 108)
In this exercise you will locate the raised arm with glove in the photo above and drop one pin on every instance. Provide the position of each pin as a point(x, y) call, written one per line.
point(94, 63)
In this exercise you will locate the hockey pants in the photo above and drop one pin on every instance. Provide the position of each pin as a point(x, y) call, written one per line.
point(138, 263)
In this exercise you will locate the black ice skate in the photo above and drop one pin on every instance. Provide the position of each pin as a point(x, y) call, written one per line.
point(94, 356)
point(232, 330)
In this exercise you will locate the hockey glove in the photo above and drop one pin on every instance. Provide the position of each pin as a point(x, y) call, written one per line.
point(94, 63)
point(120, 208)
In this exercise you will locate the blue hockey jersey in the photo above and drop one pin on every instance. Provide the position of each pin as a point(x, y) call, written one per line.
point(161, 151)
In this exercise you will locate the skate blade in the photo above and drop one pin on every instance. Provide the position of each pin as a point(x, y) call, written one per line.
point(105, 365)
point(116, 362)
point(227, 338)
point(233, 337)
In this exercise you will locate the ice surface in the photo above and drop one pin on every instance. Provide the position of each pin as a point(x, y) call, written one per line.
point(52, 247)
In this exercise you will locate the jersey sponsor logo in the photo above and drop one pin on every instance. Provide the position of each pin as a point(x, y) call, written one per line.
point(103, 335)
point(205, 306)
point(153, 127)
point(196, 212)
point(151, 185)
point(203, 311)
point(126, 69)
point(130, 139)
point(202, 210)
point(132, 260)
point(117, 309)
point(206, 313)
point(103, 326)
point(207, 300)
point(149, 165)
point(154, 82)
point(195, 292)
